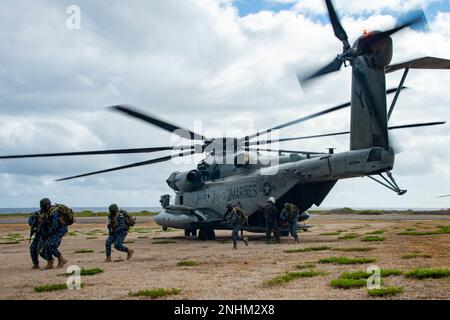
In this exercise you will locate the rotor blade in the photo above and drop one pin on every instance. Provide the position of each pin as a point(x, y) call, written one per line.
point(414, 125)
point(445, 196)
point(339, 31)
point(184, 133)
point(418, 19)
point(333, 66)
point(312, 116)
point(133, 165)
point(97, 152)
point(284, 151)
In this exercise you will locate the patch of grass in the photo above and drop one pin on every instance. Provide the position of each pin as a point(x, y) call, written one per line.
point(156, 293)
point(164, 242)
point(91, 238)
point(416, 255)
point(330, 234)
point(357, 275)
point(143, 237)
point(385, 292)
point(347, 260)
point(71, 233)
point(289, 276)
point(349, 236)
point(347, 283)
point(376, 232)
point(51, 287)
point(441, 230)
point(84, 251)
point(187, 263)
point(424, 273)
point(309, 249)
point(90, 272)
point(306, 265)
point(372, 239)
point(10, 242)
point(356, 249)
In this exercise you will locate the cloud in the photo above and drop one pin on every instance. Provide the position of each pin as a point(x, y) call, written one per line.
point(196, 61)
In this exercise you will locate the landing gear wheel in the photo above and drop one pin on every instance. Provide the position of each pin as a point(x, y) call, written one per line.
point(207, 233)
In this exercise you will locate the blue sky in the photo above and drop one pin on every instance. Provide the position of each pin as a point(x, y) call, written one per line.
point(246, 7)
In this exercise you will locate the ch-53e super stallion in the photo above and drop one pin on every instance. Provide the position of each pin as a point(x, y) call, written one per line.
point(235, 170)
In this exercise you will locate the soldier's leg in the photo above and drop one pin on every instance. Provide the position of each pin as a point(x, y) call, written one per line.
point(109, 241)
point(34, 252)
point(268, 230)
point(276, 232)
point(235, 235)
point(118, 242)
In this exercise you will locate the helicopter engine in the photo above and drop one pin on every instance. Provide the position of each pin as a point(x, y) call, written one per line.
point(185, 181)
point(379, 53)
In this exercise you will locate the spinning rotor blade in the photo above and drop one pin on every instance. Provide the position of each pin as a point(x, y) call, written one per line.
point(97, 152)
point(446, 196)
point(418, 19)
point(133, 165)
point(284, 151)
point(414, 125)
point(339, 31)
point(333, 66)
point(184, 133)
point(312, 116)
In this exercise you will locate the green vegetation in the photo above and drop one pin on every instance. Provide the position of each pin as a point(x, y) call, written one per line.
point(90, 272)
point(289, 276)
point(349, 236)
point(330, 234)
point(84, 251)
point(347, 260)
point(306, 265)
point(416, 255)
point(385, 292)
point(441, 230)
point(187, 263)
point(376, 232)
point(51, 287)
point(372, 239)
point(9, 242)
point(319, 248)
point(156, 293)
point(91, 238)
point(357, 275)
point(347, 283)
point(143, 237)
point(424, 273)
point(356, 249)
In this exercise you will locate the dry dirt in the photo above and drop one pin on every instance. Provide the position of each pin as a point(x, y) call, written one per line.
point(224, 273)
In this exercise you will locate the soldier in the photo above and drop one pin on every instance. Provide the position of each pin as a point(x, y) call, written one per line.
point(271, 215)
point(38, 222)
point(290, 215)
point(237, 218)
point(118, 230)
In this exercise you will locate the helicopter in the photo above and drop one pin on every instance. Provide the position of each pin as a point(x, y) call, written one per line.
point(234, 169)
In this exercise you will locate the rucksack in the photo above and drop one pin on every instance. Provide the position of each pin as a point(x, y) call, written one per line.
point(65, 212)
point(129, 220)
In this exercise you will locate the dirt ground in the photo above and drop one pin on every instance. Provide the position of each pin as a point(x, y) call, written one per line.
point(223, 273)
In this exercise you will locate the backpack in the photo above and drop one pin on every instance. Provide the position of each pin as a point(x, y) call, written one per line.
point(66, 214)
point(129, 220)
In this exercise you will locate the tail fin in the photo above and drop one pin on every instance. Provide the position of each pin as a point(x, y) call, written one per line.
point(368, 124)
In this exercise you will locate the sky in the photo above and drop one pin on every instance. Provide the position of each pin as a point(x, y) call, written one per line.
point(226, 67)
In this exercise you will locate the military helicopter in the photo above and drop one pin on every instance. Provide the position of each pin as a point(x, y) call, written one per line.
point(235, 170)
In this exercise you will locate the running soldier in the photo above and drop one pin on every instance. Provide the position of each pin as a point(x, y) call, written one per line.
point(271, 216)
point(119, 221)
point(290, 215)
point(237, 218)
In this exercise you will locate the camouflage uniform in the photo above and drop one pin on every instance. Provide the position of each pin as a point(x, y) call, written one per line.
point(39, 227)
point(271, 216)
point(57, 230)
point(118, 231)
point(290, 214)
point(237, 218)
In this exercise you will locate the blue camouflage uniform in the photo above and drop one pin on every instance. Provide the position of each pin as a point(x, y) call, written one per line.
point(290, 214)
point(39, 227)
point(236, 217)
point(57, 230)
point(118, 231)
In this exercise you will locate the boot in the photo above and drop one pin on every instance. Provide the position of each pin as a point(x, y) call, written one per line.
point(234, 245)
point(108, 259)
point(49, 264)
point(130, 254)
point(296, 239)
point(35, 266)
point(245, 241)
point(61, 262)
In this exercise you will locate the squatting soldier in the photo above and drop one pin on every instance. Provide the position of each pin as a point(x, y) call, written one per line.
point(271, 215)
point(237, 218)
point(118, 230)
point(290, 215)
point(39, 228)
point(60, 217)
